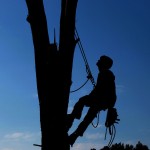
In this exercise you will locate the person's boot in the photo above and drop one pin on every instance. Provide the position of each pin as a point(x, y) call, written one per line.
point(72, 138)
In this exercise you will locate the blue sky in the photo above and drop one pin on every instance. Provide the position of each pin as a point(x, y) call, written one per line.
point(117, 28)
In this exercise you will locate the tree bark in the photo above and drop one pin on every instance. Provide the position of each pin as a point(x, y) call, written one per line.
point(53, 71)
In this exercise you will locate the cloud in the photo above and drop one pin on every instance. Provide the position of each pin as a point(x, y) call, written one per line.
point(7, 149)
point(94, 136)
point(16, 135)
point(20, 140)
point(87, 146)
point(20, 136)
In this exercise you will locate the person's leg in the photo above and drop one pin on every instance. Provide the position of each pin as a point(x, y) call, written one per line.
point(92, 112)
point(77, 111)
point(78, 107)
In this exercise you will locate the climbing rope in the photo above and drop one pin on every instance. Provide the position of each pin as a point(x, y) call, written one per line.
point(87, 70)
point(111, 119)
point(112, 136)
point(113, 133)
point(95, 126)
point(89, 73)
point(80, 86)
point(84, 58)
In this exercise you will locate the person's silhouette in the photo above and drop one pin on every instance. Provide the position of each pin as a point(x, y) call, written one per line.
point(102, 97)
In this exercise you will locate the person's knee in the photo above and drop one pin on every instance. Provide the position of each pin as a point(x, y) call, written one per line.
point(83, 99)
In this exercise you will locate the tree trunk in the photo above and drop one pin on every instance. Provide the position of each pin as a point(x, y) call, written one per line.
point(53, 71)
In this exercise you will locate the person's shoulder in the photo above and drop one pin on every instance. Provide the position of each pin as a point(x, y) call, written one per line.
point(109, 74)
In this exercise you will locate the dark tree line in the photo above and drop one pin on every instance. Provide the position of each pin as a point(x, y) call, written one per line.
point(122, 146)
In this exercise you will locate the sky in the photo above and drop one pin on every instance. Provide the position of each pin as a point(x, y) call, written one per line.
point(116, 28)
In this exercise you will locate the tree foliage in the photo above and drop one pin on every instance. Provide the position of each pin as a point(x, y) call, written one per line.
point(122, 146)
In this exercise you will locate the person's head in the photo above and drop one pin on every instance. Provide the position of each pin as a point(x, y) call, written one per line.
point(104, 62)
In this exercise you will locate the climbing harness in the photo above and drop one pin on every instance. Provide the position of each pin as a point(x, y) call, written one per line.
point(111, 119)
point(89, 73)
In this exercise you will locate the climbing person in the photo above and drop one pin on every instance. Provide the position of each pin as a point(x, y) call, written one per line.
point(102, 97)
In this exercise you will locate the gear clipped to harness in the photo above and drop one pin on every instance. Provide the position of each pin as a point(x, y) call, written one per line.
point(111, 119)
